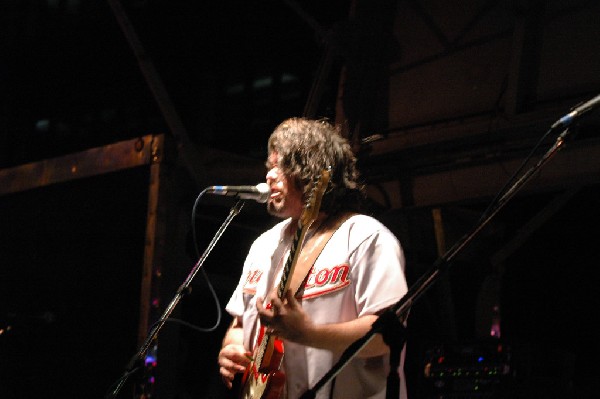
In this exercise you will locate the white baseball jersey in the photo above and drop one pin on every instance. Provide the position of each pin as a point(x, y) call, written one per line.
point(359, 272)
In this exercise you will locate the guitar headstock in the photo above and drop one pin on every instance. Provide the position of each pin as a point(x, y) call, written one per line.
point(313, 204)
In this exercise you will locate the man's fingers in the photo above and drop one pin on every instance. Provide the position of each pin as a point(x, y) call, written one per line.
point(243, 363)
point(233, 359)
point(259, 304)
point(291, 300)
point(225, 377)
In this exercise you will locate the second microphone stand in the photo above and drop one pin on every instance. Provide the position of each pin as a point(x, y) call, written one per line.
point(390, 323)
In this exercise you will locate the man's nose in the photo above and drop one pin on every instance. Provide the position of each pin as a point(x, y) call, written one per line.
point(271, 175)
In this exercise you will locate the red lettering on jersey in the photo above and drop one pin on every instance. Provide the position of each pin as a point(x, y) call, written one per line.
point(252, 279)
point(326, 280)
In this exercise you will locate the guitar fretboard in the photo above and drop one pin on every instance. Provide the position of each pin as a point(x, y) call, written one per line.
point(287, 268)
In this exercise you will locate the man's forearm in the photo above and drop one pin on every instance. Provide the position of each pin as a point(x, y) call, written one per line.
point(234, 335)
point(337, 337)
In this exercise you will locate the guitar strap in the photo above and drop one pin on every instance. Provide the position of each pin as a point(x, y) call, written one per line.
point(312, 249)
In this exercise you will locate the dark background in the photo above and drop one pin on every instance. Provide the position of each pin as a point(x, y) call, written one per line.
point(230, 71)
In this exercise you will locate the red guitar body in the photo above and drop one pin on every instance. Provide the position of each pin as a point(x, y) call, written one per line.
point(262, 378)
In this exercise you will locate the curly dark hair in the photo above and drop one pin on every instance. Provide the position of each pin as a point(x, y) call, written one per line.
point(306, 147)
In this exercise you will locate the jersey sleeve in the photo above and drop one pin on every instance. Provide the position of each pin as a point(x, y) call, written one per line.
point(378, 269)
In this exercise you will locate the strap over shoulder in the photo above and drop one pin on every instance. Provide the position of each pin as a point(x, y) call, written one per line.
point(313, 248)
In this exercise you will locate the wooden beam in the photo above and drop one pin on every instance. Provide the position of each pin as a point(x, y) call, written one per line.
point(96, 161)
point(573, 166)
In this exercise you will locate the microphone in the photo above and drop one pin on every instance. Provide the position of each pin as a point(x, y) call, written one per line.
point(578, 111)
point(259, 193)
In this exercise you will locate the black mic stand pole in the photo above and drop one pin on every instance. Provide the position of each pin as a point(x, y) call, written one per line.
point(184, 288)
point(390, 322)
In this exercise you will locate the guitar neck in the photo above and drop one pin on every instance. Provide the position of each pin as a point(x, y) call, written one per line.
point(288, 271)
point(288, 268)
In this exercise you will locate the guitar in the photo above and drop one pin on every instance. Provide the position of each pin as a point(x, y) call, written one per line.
point(263, 378)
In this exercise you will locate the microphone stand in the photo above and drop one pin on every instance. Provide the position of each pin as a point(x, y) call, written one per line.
point(389, 323)
point(137, 360)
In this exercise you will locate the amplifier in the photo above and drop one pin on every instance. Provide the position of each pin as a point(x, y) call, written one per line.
point(478, 370)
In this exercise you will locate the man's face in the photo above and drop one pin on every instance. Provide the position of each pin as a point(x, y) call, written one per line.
point(285, 199)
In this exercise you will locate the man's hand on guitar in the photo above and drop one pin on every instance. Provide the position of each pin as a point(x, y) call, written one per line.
point(233, 359)
point(286, 319)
